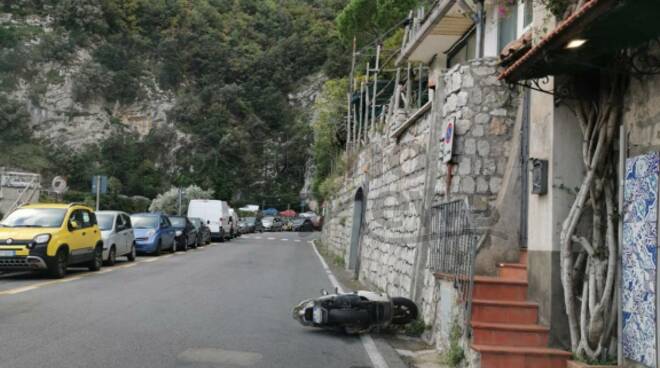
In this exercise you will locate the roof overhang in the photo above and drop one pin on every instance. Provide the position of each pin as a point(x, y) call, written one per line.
point(445, 25)
point(606, 25)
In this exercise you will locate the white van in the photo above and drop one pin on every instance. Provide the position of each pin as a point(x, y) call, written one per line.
point(215, 215)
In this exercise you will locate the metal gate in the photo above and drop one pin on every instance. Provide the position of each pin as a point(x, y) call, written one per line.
point(453, 247)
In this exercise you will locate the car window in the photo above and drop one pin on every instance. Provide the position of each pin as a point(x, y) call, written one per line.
point(165, 222)
point(178, 221)
point(127, 222)
point(77, 216)
point(87, 219)
point(105, 221)
point(35, 217)
point(145, 222)
point(119, 224)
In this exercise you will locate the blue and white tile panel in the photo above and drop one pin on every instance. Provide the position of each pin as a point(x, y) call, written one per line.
point(640, 258)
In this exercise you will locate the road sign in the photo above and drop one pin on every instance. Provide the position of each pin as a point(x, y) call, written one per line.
point(103, 187)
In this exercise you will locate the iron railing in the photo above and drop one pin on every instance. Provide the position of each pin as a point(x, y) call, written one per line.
point(416, 19)
point(454, 247)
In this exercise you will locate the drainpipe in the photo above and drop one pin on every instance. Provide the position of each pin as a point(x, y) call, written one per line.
point(480, 21)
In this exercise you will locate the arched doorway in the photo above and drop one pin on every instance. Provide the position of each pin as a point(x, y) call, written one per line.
point(353, 256)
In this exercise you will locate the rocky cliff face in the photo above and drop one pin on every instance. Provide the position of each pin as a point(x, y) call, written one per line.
point(304, 99)
point(57, 116)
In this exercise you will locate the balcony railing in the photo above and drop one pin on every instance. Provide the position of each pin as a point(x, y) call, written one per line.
point(385, 98)
point(416, 18)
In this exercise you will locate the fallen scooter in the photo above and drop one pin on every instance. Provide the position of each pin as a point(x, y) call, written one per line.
point(356, 312)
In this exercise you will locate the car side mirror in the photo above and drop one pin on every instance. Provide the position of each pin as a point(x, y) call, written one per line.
point(208, 222)
point(74, 225)
point(324, 292)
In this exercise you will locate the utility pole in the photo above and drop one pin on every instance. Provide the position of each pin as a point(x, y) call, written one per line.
point(98, 192)
point(366, 105)
point(179, 201)
point(373, 100)
point(351, 88)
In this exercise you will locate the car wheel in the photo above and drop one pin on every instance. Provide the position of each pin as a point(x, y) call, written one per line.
point(112, 256)
point(57, 267)
point(96, 263)
point(159, 249)
point(185, 246)
point(132, 255)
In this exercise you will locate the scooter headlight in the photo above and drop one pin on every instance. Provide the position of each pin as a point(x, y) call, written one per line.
point(318, 315)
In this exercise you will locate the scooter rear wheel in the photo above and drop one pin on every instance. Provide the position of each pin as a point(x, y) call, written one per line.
point(405, 311)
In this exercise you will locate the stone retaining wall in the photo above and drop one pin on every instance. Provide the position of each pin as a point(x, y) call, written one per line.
point(392, 174)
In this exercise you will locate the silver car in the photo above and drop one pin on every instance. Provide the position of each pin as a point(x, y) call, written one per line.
point(117, 234)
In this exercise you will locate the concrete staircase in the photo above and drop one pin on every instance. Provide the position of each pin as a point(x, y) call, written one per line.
point(505, 325)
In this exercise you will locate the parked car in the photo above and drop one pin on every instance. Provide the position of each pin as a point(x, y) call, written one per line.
point(117, 234)
point(243, 227)
point(303, 224)
point(153, 233)
point(50, 237)
point(287, 224)
point(215, 215)
point(186, 233)
point(271, 223)
point(253, 225)
point(203, 231)
point(317, 220)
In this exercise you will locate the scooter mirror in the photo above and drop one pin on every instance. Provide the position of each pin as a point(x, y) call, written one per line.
point(324, 292)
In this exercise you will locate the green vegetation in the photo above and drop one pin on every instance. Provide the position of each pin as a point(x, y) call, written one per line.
point(415, 328)
point(230, 63)
point(455, 354)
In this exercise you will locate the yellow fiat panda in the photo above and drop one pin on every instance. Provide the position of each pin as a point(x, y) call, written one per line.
point(50, 237)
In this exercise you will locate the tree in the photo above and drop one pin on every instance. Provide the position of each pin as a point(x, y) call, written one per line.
point(368, 19)
point(588, 279)
point(168, 202)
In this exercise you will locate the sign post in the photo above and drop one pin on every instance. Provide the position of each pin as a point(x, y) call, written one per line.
point(99, 186)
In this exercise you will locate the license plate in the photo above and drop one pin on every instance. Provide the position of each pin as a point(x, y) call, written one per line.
point(7, 253)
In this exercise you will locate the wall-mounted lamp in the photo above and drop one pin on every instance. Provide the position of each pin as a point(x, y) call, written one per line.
point(576, 43)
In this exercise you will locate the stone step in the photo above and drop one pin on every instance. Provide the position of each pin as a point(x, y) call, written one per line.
point(496, 311)
point(513, 271)
point(509, 334)
point(521, 357)
point(497, 288)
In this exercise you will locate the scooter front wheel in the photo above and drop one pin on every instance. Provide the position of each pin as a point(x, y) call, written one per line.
point(405, 311)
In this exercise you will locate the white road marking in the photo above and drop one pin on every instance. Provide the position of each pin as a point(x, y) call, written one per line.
point(285, 239)
point(369, 345)
point(258, 237)
point(154, 259)
point(219, 356)
point(271, 238)
point(297, 240)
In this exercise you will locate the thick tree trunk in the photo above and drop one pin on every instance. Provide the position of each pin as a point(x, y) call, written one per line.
point(589, 281)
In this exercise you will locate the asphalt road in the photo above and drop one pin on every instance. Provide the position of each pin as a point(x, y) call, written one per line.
point(225, 305)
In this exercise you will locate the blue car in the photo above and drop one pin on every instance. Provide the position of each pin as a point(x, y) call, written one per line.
point(153, 233)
